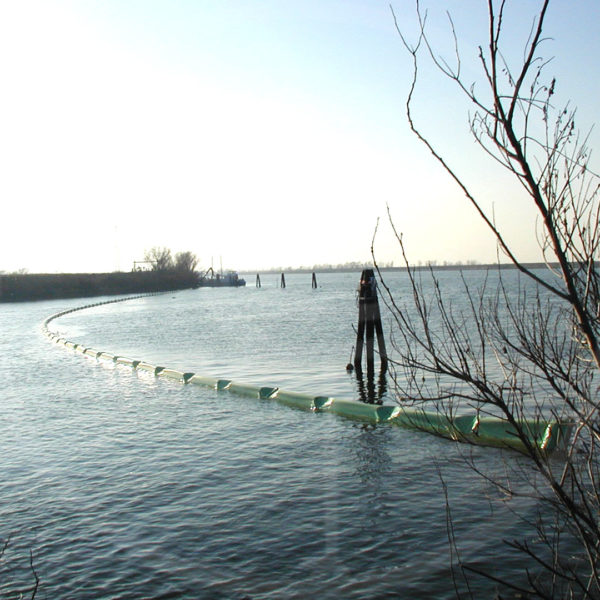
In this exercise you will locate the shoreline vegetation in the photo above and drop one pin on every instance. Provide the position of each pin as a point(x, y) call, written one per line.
point(50, 286)
point(430, 266)
point(26, 287)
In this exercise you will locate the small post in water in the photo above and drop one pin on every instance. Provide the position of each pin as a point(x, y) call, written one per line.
point(282, 280)
point(369, 323)
point(258, 284)
point(314, 281)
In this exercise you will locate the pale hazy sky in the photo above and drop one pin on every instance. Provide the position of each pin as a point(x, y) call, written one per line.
point(265, 132)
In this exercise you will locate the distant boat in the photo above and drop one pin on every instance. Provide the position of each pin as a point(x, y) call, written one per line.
point(229, 279)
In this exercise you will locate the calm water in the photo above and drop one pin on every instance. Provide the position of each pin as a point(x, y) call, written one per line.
point(122, 485)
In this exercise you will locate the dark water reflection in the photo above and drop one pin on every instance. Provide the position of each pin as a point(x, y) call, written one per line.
point(372, 390)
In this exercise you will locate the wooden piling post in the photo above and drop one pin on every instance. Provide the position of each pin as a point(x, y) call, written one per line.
point(282, 280)
point(258, 284)
point(314, 281)
point(369, 324)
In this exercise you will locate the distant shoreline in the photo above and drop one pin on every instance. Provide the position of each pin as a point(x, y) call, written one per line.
point(49, 286)
point(359, 268)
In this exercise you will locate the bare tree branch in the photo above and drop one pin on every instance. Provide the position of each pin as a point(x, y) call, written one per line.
point(529, 350)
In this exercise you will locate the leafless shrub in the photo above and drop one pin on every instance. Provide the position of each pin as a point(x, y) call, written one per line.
point(527, 352)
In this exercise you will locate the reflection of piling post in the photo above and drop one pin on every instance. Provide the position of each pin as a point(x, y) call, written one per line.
point(258, 284)
point(369, 323)
point(282, 280)
point(314, 281)
point(367, 392)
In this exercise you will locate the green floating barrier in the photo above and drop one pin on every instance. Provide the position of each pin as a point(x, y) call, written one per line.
point(266, 392)
point(434, 422)
point(490, 428)
point(244, 389)
point(463, 425)
point(203, 380)
point(91, 352)
point(386, 413)
point(144, 366)
point(128, 362)
point(424, 421)
point(496, 432)
point(353, 409)
point(106, 356)
point(556, 436)
point(322, 402)
point(305, 401)
point(171, 374)
point(488, 431)
point(222, 384)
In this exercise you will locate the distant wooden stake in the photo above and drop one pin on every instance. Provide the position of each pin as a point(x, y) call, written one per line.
point(282, 280)
point(258, 284)
point(369, 322)
point(314, 281)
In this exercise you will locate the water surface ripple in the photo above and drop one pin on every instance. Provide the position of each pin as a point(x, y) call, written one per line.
point(127, 486)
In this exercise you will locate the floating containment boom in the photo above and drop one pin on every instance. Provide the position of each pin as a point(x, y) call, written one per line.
point(543, 435)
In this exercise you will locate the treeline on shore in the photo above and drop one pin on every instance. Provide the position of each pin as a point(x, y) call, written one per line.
point(430, 266)
point(45, 286)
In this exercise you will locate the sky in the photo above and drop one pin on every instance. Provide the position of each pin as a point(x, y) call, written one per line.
point(256, 133)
